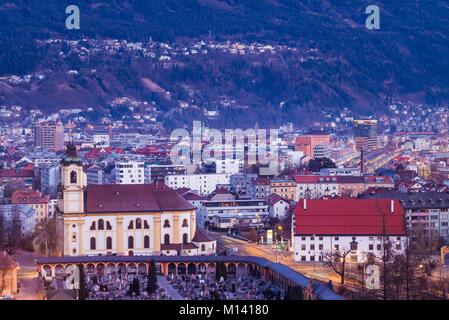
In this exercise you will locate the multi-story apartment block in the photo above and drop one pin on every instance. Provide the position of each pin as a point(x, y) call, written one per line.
point(427, 214)
point(157, 172)
point(131, 172)
point(284, 188)
point(204, 184)
point(313, 187)
point(49, 136)
point(230, 213)
point(34, 199)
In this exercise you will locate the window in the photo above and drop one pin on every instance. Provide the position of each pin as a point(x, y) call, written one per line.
point(166, 224)
point(108, 225)
point(145, 224)
point(130, 242)
point(379, 247)
point(303, 258)
point(354, 246)
point(93, 243)
point(203, 248)
point(146, 242)
point(73, 177)
point(303, 247)
point(101, 224)
point(185, 223)
point(185, 238)
point(138, 223)
point(336, 238)
point(312, 247)
point(167, 239)
point(320, 247)
point(74, 237)
point(337, 247)
point(93, 226)
point(371, 247)
point(131, 225)
point(108, 243)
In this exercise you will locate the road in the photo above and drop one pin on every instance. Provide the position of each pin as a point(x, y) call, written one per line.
point(30, 287)
point(312, 270)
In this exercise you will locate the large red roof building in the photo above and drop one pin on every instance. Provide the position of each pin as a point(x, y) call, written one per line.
point(356, 225)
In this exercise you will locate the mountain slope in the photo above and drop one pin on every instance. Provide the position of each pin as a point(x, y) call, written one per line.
point(358, 68)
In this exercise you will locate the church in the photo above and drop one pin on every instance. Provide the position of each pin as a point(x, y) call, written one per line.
point(120, 219)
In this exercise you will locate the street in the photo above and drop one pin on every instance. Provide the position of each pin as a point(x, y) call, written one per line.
point(30, 287)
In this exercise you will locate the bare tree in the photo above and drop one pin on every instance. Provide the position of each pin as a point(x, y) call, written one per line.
point(47, 236)
point(337, 261)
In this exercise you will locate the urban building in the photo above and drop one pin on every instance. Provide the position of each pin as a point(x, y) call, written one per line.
point(123, 219)
point(357, 227)
point(307, 143)
point(365, 135)
point(203, 184)
point(33, 199)
point(130, 172)
point(49, 136)
point(157, 172)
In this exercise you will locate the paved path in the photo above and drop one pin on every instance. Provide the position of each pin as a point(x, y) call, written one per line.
point(30, 287)
point(173, 293)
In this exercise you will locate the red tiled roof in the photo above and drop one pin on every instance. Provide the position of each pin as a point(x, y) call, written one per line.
point(29, 197)
point(349, 217)
point(200, 236)
point(133, 198)
point(16, 173)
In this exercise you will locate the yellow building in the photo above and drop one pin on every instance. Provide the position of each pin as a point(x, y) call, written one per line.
point(147, 219)
point(285, 189)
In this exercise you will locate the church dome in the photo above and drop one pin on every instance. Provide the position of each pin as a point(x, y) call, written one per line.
point(70, 156)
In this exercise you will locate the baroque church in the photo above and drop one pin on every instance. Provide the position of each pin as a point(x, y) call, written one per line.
point(120, 219)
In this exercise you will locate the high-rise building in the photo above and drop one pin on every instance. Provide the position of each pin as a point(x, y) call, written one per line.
point(365, 135)
point(49, 136)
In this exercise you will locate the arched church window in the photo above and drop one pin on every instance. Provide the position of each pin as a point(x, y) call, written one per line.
point(167, 239)
point(101, 224)
point(109, 243)
point(108, 225)
point(185, 238)
point(138, 223)
point(146, 242)
point(146, 225)
point(93, 226)
point(131, 225)
point(93, 243)
point(73, 177)
point(166, 224)
point(130, 242)
point(185, 223)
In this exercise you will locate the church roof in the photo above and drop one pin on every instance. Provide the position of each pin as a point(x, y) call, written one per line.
point(133, 198)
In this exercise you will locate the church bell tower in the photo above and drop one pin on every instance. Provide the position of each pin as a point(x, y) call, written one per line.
point(72, 181)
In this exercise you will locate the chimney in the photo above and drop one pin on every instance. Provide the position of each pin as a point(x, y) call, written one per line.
point(305, 204)
point(392, 206)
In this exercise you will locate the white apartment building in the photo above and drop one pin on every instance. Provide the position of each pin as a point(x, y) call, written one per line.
point(203, 184)
point(131, 172)
point(230, 166)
